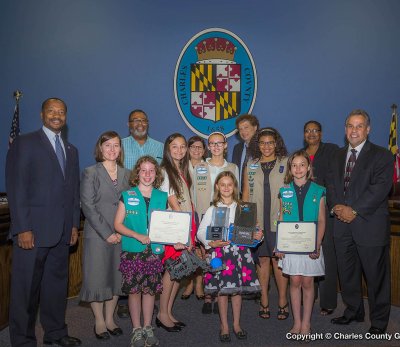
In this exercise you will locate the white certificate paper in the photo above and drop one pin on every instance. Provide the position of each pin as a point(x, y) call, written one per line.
point(170, 227)
point(296, 237)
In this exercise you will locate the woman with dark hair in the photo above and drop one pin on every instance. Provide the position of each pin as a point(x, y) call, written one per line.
point(320, 153)
point(263, 177)
point(197, 150)
point(177, 183)
point(101, 188)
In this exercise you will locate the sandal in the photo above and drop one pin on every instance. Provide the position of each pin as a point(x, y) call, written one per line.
point(241, 335)
point(282, 313)
point(264, 312)
point(225, 338)
point(326, 311)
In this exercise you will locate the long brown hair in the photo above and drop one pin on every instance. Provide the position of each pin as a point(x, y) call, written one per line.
point(168, 164)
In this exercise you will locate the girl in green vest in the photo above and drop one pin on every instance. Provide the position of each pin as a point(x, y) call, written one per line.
point(302, 200)
point(141, 264)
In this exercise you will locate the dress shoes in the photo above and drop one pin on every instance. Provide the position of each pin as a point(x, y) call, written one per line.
point(123, 311)
point(179, 324)
point(65, 341)
point(345, 321)
point(376, 331)
point(102, 336)
point(115, 332)
point(173, 329)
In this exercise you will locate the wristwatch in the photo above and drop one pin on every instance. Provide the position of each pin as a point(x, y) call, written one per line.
point(354, 212)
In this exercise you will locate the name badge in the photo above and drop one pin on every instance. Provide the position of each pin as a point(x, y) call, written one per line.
point(132, 192)
point(254, 166)
point(133, 201)
point(201, 170)
point(281, 168)
point(287, 194)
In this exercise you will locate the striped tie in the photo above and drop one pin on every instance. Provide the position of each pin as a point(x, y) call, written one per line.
point(349, 168)
point(60, 154)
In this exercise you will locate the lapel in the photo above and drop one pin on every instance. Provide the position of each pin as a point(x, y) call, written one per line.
point(50, 151)
point(120, 178)
point(342, 154)
point(105, 177)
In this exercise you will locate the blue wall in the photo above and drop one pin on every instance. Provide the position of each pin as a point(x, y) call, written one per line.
point(314, 58)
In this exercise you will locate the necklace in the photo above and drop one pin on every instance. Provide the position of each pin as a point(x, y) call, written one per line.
point(268, 165)
point(111, 172)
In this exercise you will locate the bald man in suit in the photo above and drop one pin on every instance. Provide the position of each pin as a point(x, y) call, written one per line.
point(42, 181)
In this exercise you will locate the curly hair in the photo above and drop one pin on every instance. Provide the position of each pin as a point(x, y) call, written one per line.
point(134, 178)
point(280, 149)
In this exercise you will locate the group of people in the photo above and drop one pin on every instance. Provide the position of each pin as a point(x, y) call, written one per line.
point(344, 191)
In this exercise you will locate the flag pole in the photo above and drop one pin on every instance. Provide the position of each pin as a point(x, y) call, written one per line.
point(18, 95)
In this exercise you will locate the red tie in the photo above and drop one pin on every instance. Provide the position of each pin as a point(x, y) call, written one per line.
point(349, 168)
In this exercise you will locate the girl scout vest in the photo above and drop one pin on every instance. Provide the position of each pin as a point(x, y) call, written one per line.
point(136, 217)
point(185, 201)
point(202, 187)
point(290, 206)
point(256, 189)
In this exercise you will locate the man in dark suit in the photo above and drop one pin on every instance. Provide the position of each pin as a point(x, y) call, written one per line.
point(247, 125)
point(359, 181)
point(42, 181)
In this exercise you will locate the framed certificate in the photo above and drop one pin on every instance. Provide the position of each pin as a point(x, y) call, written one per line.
point(170, 227)
point(296, 237)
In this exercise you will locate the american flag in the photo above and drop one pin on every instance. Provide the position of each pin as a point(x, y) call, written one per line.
point(14, 131)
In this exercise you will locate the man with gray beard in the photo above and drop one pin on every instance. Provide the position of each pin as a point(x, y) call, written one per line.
point(139, 143)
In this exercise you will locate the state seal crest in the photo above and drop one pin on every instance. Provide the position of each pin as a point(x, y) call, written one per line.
point(215, 81)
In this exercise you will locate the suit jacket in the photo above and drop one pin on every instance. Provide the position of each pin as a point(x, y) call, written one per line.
point(40, 198)
point(321, 161)
point(237, 155)
point(100, 199)
point(367, 194)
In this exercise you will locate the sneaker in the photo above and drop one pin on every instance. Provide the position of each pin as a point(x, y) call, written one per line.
point(138, 339)
point(151, 339)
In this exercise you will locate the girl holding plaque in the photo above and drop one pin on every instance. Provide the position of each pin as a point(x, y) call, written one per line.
point(141, 264)
point(302, 200)
point(239, 274)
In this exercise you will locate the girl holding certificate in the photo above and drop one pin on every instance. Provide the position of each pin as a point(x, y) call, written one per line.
point(141, 264)
point(177, 183)
point(302, 200)
point(239, 275)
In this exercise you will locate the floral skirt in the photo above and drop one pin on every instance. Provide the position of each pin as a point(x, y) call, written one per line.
point(239, 275)
point(141, 272)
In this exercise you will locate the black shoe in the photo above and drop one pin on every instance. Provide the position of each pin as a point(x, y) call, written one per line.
point(179, 324)
point(173, 329)
point(345, 321)
point(65, 341)
point(123, 311)
point(224, 338)
point(115, 332)
point(376, 331)
point(241, 335)
point(102, 336)
point(215, 308)
point(207, 308)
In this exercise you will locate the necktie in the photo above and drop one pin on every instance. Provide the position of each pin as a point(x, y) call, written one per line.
point(349, 168)
point(246, 159)
point(60, 154)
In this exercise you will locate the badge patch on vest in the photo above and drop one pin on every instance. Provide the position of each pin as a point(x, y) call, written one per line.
point(287, 194)
point(201, 170)
point(281, 168)
point(132, 192)
point(287, 207)
point(133, 201)
point(254, 166)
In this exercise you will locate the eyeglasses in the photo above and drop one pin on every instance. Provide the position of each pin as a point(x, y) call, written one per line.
point(312, 131)
point(196, 148)
point(216, 144)
point(138, 120)
point(269, 143)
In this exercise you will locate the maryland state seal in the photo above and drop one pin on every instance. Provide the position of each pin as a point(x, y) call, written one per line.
point(215, 81)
